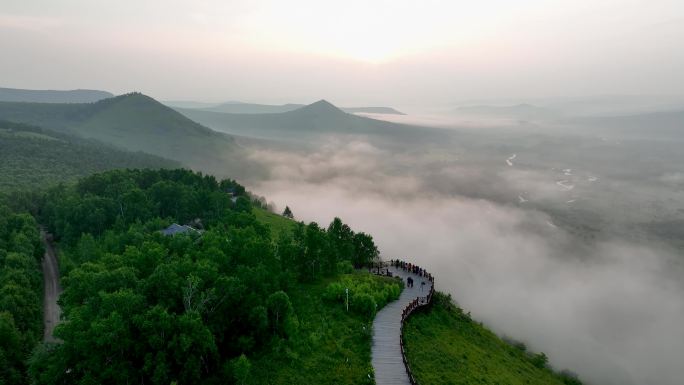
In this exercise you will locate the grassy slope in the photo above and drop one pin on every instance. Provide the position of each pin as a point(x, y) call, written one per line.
point(444, 346)
point(33, 158)
point(332, 346)
point(277, 223)
point(332, 350)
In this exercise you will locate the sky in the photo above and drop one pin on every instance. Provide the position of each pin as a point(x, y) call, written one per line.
point(400, 53)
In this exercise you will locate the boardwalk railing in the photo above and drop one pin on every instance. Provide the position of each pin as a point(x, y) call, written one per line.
point(410, 308)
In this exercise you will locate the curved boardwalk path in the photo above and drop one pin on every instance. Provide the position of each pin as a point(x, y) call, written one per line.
point(386, 350)
point(51, 311)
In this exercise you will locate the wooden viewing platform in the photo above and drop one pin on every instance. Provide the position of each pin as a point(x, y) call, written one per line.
point(389, 362)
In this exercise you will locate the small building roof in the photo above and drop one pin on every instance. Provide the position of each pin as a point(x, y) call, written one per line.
point(175, 228)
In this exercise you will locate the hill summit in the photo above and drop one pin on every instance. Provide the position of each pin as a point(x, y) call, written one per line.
point(321, 107)
point(138, 112)
point(315, 120)
point(236, 107)
point(135, 122)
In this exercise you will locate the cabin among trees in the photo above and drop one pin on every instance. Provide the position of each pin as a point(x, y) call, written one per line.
point(175, 228)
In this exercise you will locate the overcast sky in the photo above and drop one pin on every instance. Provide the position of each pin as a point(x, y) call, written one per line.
point(397, 52)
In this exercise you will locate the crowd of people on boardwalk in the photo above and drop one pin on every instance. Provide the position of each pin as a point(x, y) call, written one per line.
point(411, 268)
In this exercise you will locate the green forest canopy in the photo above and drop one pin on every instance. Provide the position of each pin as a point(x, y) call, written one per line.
point(254, 298)
point(143, 307)
point(34, 158)
point(21, 291)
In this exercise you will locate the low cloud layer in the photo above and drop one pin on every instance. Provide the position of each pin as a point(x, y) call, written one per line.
point(610, 310)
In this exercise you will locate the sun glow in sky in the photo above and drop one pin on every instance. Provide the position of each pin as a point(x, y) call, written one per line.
point(390, 51)
point(359, 30)
point(374, 31)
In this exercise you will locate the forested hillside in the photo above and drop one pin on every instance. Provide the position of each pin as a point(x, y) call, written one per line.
point(136, 122)
point(21, 285)
point(52, 96)
point(246, 297)
point(200, 307)
point(35, 158)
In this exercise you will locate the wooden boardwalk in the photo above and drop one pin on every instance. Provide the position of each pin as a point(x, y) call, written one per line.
point(386, 349)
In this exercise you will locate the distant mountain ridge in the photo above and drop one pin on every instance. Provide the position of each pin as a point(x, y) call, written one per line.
point(186, 104)
point(252, 108)
point(234, 107)
point(668, 124)
point(373, 110)
point(135, 122)
point(517, 111)
point(319, 118)
point(52, 96)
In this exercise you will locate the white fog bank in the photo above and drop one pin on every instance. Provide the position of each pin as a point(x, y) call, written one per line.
point(611, 311)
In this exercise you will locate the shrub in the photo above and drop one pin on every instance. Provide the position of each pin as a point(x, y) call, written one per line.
point(334, 292)
point(539, 360)
point(364, 304)
point(345, 267)
point(241, 368)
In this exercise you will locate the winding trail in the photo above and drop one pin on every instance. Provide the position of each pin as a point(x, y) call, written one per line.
point(386, 356)
point(51, 310)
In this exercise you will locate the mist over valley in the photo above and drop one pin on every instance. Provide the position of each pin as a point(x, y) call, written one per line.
point(561, 239)
point(342, 192)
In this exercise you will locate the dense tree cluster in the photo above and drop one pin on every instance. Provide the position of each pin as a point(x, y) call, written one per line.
point(313, 252)
point(147, 308)
point(21, 287)
point(34, 158)
point(363, 296)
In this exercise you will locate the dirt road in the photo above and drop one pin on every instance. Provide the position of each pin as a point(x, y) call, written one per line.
point(51, 311)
